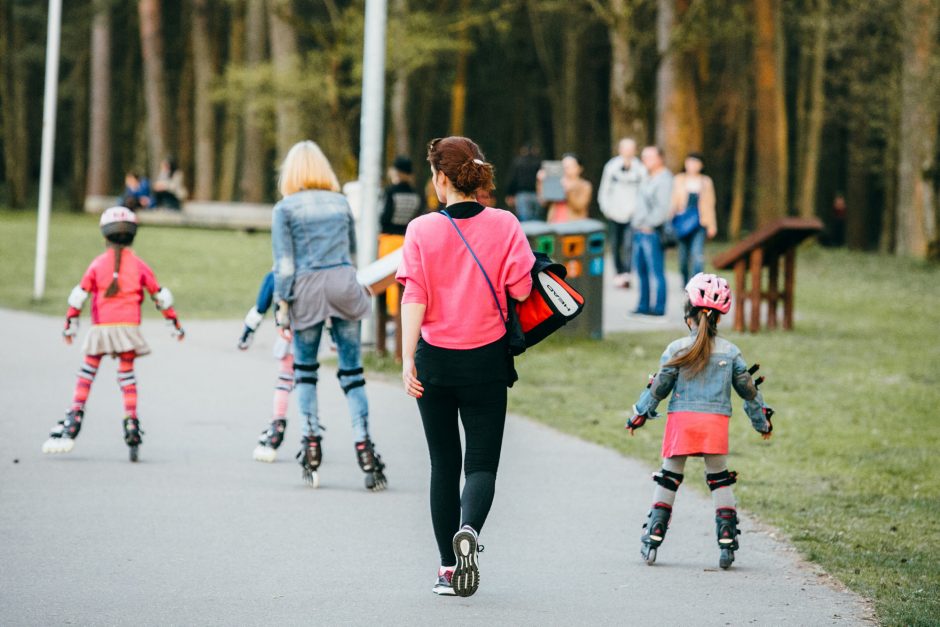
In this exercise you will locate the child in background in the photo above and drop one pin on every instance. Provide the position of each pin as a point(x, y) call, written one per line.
point(699, 371)
point(272, 437)
point(116, 281)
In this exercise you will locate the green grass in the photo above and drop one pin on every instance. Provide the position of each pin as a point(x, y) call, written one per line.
point(212, 274)
point(850, 474)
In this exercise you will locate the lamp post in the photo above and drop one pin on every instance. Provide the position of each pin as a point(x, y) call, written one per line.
point(48, 146)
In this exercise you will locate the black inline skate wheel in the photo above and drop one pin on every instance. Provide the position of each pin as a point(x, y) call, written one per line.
point(132, 451)
point(726, 559)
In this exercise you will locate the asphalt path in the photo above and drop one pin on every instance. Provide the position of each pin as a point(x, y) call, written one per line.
point(198, 533)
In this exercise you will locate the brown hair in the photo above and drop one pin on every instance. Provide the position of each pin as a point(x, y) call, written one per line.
point(696, 357)
point(113, 288)
point(461, 160)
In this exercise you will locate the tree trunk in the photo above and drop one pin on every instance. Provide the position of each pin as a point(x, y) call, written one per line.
point(78, 96)
point(154, 79)
point(204, 75)
point(678, 123)
point(916, 223)
point(770, 132)
point(231, 135)
point(286, 60)
point(185, 132)
point(253, 155)
point(625, 117)
point(814, 118)
point(100, 174)
point(857, 190)
point(741, 143)
point(15, 129)
point(458, 106)
point(398, 105)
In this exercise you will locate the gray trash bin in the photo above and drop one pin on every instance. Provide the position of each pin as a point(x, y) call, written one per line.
point(579, 245)
point(541, 236)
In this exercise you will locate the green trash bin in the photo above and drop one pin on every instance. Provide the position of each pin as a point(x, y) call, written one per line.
point(580, 245)
point(541, 236)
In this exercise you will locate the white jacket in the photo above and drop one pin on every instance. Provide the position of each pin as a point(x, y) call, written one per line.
point(617, 196)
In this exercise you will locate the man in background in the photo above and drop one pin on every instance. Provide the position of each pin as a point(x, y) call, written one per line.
point(617, 197)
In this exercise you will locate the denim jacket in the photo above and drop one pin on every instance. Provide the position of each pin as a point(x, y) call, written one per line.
point(310, 230)
point(710, 390)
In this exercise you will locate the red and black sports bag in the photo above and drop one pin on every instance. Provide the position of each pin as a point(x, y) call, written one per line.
point(552, 303)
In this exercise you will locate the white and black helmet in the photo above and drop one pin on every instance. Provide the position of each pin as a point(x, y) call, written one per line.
point(119, 223)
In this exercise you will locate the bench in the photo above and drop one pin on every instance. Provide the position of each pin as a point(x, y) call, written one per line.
point(764, 249)
point(206, 214)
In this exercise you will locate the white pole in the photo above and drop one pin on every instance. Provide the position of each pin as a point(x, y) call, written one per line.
point(371, 128)
point(48, 146)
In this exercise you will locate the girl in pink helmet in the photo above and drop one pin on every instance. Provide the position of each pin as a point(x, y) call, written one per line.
point(116, 281)
point(699, 370)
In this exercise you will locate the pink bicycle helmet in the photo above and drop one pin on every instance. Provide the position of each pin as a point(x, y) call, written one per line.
point(118, 220)
point(709, 291)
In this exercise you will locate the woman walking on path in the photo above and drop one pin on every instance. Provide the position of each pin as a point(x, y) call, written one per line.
point(312, 232)
point(693, 210)
point(455, 356)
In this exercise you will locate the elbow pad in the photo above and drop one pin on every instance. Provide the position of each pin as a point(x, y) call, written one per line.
point(163, 298)
point(77, 297)
point(662, 384)
point(253, 319)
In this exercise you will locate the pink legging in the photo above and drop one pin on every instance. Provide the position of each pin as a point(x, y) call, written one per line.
point(285, 383)
point(126, 379)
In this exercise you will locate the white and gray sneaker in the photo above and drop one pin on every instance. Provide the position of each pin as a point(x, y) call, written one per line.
point(444, 587)
point(466, 577)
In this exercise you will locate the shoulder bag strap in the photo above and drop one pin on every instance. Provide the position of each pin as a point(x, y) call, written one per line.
point(479, 265)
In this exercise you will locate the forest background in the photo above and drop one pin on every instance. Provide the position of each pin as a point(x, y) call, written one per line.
point(792, 103)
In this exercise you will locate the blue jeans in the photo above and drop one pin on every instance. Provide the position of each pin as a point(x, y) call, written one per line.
point(347, 336)
point(648, 260)
point(528, 207)
point(692, 255)
point(621, 239)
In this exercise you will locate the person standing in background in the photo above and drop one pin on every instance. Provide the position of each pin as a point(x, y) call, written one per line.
point(520, 190)
point(578, 191)
point(617, 197)
point(402, 205)
point(651, 213)
point(695, 192)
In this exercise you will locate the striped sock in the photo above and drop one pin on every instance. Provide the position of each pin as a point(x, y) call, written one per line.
point(285, 383)
point(86, 376)
point(128, 383)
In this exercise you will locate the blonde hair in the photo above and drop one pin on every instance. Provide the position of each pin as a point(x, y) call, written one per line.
point(306, 167)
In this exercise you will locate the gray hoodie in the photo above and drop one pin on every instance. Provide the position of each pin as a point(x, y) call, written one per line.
point(652, 208)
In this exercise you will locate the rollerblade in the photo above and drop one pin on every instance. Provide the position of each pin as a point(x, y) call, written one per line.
point(371, 463)
point(270, 440)
point(726, 527)
point(132, 433)
point(62, 437)
point(655, 528)
point(309, 456)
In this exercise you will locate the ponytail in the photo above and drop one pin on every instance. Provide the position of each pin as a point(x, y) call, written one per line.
point(696, 357)
point(113, 288)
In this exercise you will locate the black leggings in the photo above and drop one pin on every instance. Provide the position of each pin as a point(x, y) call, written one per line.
point(482, 409)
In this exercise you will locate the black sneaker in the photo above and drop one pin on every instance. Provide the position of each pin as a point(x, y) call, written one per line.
point(466, 577)
point(444, 587)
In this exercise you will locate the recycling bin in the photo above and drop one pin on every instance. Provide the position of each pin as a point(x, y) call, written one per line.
point(579, 246)
point(541, 236)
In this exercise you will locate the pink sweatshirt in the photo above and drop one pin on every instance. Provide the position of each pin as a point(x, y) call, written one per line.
point(437, 270)
point(124, 307)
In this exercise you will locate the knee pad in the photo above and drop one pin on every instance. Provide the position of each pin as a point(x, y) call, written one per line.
point(668, 479)
point(305, 373)
point(721, 479)
point(358, 382)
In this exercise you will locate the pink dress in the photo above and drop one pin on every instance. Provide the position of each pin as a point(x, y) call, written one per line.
point(695, 433)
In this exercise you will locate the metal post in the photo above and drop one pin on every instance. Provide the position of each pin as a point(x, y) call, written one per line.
point(371, 128)
point(48, 146)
